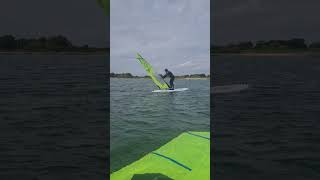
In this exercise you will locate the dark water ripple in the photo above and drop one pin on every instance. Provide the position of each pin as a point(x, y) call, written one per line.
point(53, 117)
point(272, 129)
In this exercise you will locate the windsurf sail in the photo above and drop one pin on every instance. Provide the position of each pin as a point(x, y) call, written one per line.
point(150, 72)
point(105, 4)
point(186, 157)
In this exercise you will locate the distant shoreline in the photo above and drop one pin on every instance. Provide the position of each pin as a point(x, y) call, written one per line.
point(54, 52)
point(107, 53)
point(268, 54)
point(130, 76)
point(103, 52)
point(204, 78)
point(10, 45)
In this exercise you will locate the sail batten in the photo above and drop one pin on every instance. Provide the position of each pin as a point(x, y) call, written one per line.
point(150, 72)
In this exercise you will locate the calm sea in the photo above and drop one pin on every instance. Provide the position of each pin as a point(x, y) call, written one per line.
point(53, 121)
point(272, 129)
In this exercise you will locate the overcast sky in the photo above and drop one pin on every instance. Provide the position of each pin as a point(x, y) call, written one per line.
point(171, 34)
point(81, 21)
point(242, 20)
point(232, 20)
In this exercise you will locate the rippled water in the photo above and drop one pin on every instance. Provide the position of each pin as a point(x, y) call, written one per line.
point(53, 117)
point(53, 110)
point(270, 130)
point(142, 121)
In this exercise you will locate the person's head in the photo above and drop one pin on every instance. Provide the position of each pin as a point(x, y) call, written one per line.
point(166, 70)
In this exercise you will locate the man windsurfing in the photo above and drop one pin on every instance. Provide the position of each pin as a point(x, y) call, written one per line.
point(171, 76)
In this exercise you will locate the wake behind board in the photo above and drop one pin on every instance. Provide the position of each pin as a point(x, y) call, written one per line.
point(229, 88)
point(174, 90)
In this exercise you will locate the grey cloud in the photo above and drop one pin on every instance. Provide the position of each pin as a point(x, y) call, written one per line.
point(83, 22)
point(244, 20)
point(170, 32)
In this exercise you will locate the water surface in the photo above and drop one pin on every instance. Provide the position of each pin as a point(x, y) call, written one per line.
point(53, 120)
point(142, 121)
point(271, 130)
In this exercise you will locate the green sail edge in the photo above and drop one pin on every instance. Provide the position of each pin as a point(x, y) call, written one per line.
point(186, 157)
point(150, 72)
point(105, 5)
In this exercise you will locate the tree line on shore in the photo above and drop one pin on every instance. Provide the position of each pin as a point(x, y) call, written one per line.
point(129, 75)
point(61, 43)
point(53, 43)
point(268, 46)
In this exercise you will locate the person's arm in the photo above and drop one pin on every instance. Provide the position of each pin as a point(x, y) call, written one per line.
point(165, 75)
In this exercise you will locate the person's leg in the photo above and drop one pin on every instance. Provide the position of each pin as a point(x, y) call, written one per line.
point(171, 83)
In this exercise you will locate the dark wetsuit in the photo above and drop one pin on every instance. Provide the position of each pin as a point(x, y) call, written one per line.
point(169, 74)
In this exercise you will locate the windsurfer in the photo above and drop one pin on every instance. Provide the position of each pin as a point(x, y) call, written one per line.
point(171, 76)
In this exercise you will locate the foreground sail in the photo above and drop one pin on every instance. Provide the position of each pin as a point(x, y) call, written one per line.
point(186, 157)
point(105, 4)
point(150, 72)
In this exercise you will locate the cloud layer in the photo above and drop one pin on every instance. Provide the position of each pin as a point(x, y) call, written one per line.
point(244, 20)
point(171, 34)
point(83, 22)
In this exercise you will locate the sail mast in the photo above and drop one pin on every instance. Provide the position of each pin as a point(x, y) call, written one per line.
point(150, 72)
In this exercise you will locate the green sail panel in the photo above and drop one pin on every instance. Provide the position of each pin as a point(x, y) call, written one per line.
point(105, 4)
point(150, 72)
point(186, 157)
